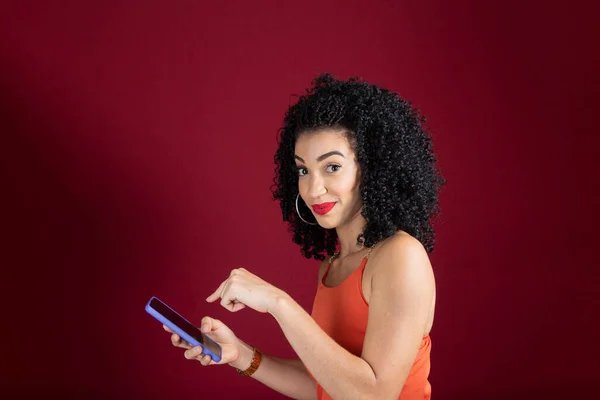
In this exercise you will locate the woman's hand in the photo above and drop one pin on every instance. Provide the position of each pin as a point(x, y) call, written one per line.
point(217, 331)
point(244, 289)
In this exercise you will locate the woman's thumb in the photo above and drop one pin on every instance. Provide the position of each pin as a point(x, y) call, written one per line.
point(209, 324)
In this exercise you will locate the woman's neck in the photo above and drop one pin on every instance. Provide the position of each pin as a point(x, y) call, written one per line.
point(348, 234)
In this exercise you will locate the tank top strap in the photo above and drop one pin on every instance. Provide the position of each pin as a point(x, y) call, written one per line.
point(363, 263)
point(329, 265)
point(369, 252)
point(333, 257)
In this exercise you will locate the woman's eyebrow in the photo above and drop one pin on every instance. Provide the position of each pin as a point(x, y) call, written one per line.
point(323, 156)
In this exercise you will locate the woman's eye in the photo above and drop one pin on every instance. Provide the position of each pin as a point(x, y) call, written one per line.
point(333, 168)
point(302, 171)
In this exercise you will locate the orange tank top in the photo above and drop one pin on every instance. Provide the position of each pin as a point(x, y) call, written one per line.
point(342, 312)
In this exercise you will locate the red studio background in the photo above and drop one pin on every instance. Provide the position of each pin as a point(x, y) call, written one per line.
point(137, 143)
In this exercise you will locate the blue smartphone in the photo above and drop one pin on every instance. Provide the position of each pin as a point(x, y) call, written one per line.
point(183, 328)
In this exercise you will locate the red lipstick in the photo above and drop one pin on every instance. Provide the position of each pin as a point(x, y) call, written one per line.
point(323, 208)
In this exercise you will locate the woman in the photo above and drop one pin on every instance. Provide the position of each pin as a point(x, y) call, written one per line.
point(355, 172)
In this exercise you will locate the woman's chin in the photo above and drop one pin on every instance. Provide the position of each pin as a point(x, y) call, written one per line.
point(326, 223)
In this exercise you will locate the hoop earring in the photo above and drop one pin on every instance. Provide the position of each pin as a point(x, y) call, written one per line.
point(300, 215)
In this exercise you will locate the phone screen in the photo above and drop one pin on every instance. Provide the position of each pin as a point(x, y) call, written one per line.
point(187, 327)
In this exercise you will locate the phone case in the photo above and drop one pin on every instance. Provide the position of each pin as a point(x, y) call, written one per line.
point(178, 330)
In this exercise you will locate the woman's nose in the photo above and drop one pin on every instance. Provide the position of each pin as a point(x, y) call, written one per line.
point(316, 187)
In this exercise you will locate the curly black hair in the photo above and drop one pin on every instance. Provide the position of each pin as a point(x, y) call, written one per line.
point(399, 178)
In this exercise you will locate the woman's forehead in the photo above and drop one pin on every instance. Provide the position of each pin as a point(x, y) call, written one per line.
point(314, 144)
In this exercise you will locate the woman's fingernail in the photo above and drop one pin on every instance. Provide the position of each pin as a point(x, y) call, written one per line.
point(204, 328)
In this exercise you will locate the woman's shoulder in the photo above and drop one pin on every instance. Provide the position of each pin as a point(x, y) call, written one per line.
point(398, 240)
point(398, 251)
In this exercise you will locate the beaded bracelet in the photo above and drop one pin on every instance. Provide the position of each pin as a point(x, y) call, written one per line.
point(256, 358)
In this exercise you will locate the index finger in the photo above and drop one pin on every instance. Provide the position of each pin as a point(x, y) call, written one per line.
point(217, 293)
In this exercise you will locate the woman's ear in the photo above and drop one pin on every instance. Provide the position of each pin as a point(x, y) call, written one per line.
point(359, 175)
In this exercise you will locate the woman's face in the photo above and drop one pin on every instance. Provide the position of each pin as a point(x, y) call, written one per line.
point(328, 176)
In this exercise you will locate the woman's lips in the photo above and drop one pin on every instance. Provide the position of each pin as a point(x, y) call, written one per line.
point(323, 208)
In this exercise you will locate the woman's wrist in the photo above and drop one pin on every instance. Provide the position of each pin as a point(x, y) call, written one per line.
point(244, 359)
